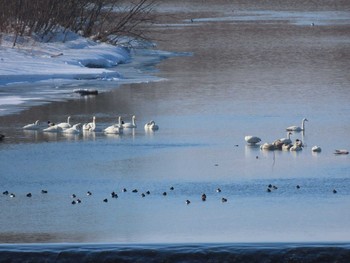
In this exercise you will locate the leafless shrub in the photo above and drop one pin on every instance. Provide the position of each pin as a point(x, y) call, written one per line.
point(99, 19)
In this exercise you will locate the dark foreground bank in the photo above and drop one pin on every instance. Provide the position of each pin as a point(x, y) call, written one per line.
point(285, 252)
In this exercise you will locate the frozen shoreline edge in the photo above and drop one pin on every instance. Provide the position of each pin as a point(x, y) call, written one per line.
point(32, 77)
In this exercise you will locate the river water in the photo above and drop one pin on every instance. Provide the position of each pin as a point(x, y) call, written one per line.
point(245, 69)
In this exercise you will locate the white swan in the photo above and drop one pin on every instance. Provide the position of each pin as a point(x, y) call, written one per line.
point(287, 140)
point(297, 146)
point(252, 140)
point(297, 128)
point(54, 128)
point(116, 128)
point(151, 126)
point(286, 147)
point(299, 143)
point(91, 126)
point(131, 124)
point(341, 151)
point(267, 146)
point(87, 126)
point(65, 125)
point(316, 148)
point(33, 126)
point(278, 144)
point(75, 129)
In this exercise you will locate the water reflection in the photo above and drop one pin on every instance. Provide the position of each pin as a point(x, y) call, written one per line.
point(252, 150)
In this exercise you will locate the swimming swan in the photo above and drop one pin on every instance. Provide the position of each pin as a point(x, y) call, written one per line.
point(75, 129)
point(341, 151)
point(87, 126)
point(131, 124)
point(252, 140)
point(316, 149)
point(33, 126)
point(65, 125)
point(91, 126)
point(297, 146)
point(267, 146)
point(54, 128)
point(287, 140)
point(116, 128)
point(297, 128)
point(151, 126)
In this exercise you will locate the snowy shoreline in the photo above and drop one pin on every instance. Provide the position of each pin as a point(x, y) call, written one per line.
point(35, 73)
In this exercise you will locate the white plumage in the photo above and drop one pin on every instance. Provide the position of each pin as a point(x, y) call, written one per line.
point(54, 128)
point(65, 125)
point(75, 129)
point(33, 126)
point(316, 148)
point(116, 128)
point(131, 124)
point(252, 140)
point(151, 126)
point(297, 128)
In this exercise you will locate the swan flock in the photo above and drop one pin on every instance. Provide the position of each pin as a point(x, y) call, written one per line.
point(68, 128)
point(286, 144)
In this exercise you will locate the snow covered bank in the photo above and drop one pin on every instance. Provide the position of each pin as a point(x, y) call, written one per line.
point(77, 58)
point(34, 72)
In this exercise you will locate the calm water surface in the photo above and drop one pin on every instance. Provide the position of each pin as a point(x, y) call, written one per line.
point(254, 69)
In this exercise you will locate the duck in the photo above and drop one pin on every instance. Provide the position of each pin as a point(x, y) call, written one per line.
point(252, 140)
point(341, 151)
point(115, 128)
point(33, 126)
point(65, 125)
point(75, 129)
point(316, 148)
point(151, 126)
point(297, 128)
point(130, 125)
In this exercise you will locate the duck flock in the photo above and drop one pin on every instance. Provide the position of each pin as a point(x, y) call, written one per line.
point(69, 128)
point(219, 195)
point(76, 199)
point(286, 144)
